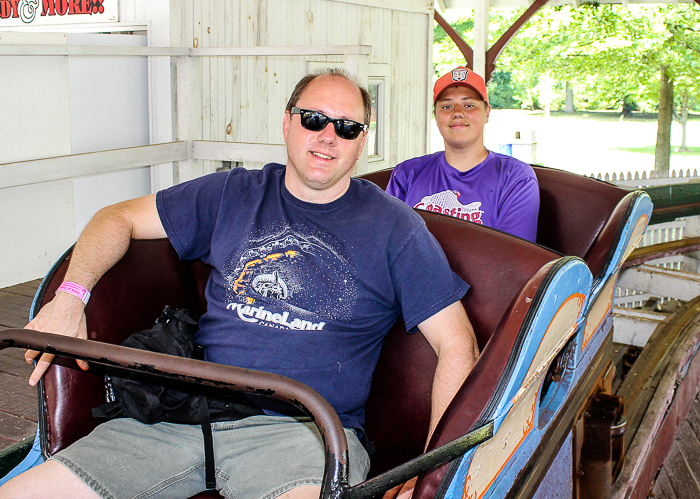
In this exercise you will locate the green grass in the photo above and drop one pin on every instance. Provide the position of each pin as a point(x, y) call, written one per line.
point(612, 115)
point(693, 151)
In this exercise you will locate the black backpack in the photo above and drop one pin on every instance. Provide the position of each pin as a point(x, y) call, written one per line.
point(127, 397)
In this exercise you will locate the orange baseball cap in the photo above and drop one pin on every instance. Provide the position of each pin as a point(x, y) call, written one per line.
point(461, 77)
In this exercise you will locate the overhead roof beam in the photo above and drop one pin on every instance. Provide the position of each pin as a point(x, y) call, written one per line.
point(493, 53)
point(463, 46)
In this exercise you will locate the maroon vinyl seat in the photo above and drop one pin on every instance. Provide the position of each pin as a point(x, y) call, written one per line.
point(501, 269)
point(578, 216)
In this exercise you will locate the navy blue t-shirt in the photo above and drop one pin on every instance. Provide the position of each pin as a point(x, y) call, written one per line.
point(306, 290)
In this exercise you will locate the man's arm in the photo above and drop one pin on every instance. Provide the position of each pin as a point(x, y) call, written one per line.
point(101, 245)
point(451, 335)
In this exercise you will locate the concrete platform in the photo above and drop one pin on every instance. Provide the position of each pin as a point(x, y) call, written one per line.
point(18, 400)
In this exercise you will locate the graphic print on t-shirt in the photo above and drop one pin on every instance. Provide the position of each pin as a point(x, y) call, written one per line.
point(447, 202)
point(291, 279)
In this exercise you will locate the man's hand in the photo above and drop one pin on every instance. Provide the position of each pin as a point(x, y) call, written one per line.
point(102, 244)
point(403, 491)
point(64, 315)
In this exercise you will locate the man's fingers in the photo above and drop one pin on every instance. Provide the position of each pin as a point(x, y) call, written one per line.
point(83, 365)
point(407, 489)
point(392, 493)
point(41, 366)
point(30, 355)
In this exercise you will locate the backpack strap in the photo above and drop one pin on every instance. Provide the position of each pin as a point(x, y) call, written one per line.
point(209, 470)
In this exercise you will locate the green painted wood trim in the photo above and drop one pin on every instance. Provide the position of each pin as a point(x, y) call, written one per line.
point(13, 455)
point(673, 201)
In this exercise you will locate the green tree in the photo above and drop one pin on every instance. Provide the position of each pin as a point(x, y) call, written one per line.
point(685, 29)
point(616, 57)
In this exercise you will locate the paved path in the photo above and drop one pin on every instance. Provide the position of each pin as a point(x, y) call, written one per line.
point(18, 400)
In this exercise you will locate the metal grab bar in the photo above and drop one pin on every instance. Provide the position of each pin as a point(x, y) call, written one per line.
point(335, 475)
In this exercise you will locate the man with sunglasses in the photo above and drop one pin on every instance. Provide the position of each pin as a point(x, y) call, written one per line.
point(310, 270)
point(468, 181)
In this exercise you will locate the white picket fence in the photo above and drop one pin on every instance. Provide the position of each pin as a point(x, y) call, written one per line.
point(647, 179)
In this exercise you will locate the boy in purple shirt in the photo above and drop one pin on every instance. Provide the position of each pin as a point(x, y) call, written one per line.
point(468, 181)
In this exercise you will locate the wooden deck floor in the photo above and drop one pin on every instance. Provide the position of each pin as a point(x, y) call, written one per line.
point(18, 400)
point(679, 477)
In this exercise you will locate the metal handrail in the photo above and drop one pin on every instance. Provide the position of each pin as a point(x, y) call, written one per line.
point(335, 475)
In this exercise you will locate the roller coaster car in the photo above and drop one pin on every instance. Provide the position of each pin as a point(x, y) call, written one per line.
point(530, 307)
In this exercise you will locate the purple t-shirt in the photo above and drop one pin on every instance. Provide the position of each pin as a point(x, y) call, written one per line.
point(306, 290)
point(501, 192)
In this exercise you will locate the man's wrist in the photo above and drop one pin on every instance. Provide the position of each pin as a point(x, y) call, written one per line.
point(71, 288)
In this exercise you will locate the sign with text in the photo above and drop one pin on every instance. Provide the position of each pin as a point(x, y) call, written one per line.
point(44, 12)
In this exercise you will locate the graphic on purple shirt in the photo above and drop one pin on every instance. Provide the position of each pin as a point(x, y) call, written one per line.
point(501, 192)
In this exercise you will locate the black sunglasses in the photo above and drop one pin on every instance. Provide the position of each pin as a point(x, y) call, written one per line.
point(315, 121)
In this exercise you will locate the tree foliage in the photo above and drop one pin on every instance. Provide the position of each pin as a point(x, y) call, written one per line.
point(611, 54)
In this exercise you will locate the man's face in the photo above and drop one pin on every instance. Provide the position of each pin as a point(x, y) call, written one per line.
point(320, 164)
point(460, 115)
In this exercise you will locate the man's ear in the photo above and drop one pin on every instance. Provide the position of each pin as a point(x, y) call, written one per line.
point(488, 112)
point(362, 146)
point(286, 122)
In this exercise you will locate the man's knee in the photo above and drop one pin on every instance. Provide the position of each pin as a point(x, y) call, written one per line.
point(49, 479)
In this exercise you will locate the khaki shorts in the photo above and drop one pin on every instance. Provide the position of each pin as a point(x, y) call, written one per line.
point(257, 457)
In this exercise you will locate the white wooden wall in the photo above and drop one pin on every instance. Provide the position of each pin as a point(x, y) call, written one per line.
point(242, 99)
point(230, 99)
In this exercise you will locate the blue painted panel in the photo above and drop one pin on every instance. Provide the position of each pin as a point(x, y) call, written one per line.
point(558, 483)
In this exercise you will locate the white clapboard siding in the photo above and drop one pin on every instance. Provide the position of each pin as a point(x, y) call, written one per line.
point(242, 98)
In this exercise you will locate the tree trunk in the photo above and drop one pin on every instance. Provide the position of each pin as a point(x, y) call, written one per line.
point(662, 160)
point(684, 120)
point(627, 104)
point(570, 98)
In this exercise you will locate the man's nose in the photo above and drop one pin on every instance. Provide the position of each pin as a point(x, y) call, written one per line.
point(327, 135)
point(457, 109)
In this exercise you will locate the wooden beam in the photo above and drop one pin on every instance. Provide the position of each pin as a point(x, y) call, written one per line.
point(658, 391)
point(661, 282)
point(463, 46)
point(93, 163)
point(90, 51)
point(661, 250)
point(240, 152)
point(634, 327)
point(283, 51)
point(99, 51)
point(495, 50)
point(646, 373)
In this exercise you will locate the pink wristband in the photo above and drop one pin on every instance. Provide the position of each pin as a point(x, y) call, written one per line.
point(75, 290)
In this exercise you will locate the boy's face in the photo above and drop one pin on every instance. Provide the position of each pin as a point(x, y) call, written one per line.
point(460, 115)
